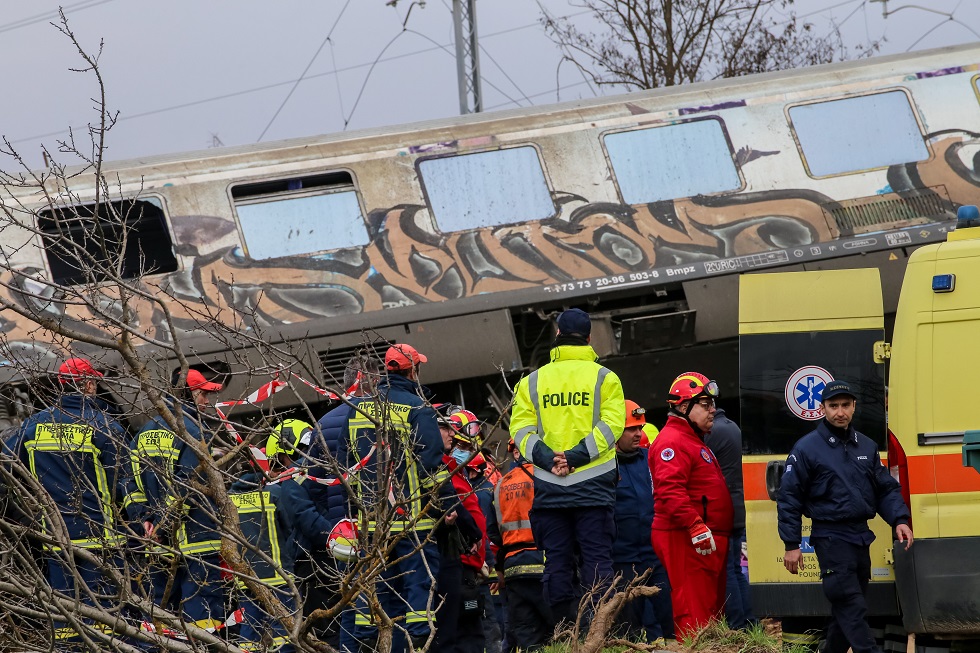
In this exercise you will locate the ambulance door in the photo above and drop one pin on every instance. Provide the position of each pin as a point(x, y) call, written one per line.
point(797, 332)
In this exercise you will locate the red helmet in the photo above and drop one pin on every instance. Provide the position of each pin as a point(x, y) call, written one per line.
point(342, 542)
point(477, 463)
point(466, 425)
point(691, 385)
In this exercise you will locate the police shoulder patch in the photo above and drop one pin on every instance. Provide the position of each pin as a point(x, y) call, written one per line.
point(667, 454)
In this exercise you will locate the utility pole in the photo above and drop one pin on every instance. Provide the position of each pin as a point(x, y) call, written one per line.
point(467, 57)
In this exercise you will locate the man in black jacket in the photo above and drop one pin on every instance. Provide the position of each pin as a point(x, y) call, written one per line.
point(725, 440)
point(834, 476)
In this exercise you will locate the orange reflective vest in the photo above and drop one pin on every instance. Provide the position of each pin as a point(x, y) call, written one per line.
point(512, 499)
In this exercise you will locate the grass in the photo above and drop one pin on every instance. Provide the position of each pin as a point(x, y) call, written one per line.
point(716, 638)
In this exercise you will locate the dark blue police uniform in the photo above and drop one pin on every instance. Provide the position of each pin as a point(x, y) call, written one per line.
point(835, 477)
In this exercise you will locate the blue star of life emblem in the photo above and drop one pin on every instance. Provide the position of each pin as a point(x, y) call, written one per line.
point(809, 391)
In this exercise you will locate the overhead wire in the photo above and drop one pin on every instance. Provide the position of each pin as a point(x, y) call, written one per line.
point(48, 15)
point(265, 87)
point(489, 56)
point(305, 70)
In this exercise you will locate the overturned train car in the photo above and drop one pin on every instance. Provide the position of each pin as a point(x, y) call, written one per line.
point(463, 236)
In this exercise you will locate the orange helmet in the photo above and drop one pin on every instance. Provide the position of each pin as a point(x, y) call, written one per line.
point(691, 385)
point(635, 416)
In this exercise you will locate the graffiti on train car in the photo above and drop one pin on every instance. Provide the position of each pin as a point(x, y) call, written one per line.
point(598, 245)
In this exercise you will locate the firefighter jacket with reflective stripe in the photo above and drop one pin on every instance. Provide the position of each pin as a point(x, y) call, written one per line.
point(165, 466)
point(509, 525)
point(73, 450)
point(330, 500)
point(576, 406)
point(835, 477)
point(687, 481)
point(411, 447)
point(634, 510)
point(266, 528)
point(310, 530)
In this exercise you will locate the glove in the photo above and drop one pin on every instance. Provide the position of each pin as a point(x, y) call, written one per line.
point(702, 539)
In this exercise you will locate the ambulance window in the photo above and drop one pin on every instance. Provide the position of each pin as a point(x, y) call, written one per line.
point(301, 215)
point(782, 377)
point(486, 189)
point(858, 133)
point(674, 161)
point(82, 242)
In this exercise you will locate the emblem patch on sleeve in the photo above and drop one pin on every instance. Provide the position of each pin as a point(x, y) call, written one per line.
point(667, 455)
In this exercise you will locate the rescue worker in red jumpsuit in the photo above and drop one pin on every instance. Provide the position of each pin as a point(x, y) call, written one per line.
point(692, 506)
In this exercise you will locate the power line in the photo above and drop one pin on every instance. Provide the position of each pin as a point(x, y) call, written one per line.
point(305, 70)
point(548, 92)
point(266, 87)
point(48, 15)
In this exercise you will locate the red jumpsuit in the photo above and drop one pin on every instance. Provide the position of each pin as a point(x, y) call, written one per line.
point(688, 486)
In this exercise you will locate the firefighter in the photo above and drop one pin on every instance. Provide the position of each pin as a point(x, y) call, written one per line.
point(646, 618)
point(73, 450)
point(567, 417)
point(315, 565)
point(520, 563)
point(174, 513)
point(412, 446)
point(835, 477)
point(692, 506)
point(470, 625)
point(459, 534)
point(266, 517)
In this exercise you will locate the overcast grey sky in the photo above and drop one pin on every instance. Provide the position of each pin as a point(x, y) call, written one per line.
point(187, 73)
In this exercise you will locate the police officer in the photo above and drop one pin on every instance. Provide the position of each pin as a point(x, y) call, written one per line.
point(692, 506)
point(72, 448)
point(567, 417)
point(835, 477)
point(413, 449)
point(174, 513)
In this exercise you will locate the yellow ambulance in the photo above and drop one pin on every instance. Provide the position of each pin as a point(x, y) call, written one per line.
point(800, 330)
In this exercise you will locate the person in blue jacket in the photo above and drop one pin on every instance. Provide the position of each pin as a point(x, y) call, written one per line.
point(412, 452)
point(174, 513)
point(318, 570)
point(73, 450)
point(835, 477)
point(647, 618)
point(265, 514)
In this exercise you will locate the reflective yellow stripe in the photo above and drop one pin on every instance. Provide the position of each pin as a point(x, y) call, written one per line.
point(416, 617)
point(260, 501)
point(75, 438)
point(361, 619)
point(207, 546)
point(135, 497)
point(523, 570)
point(400, 525)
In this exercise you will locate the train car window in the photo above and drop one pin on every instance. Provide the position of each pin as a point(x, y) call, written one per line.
point(84, 243)
point(290, 217)
point(486, 189)
point(673, 161)
point(858, 133)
